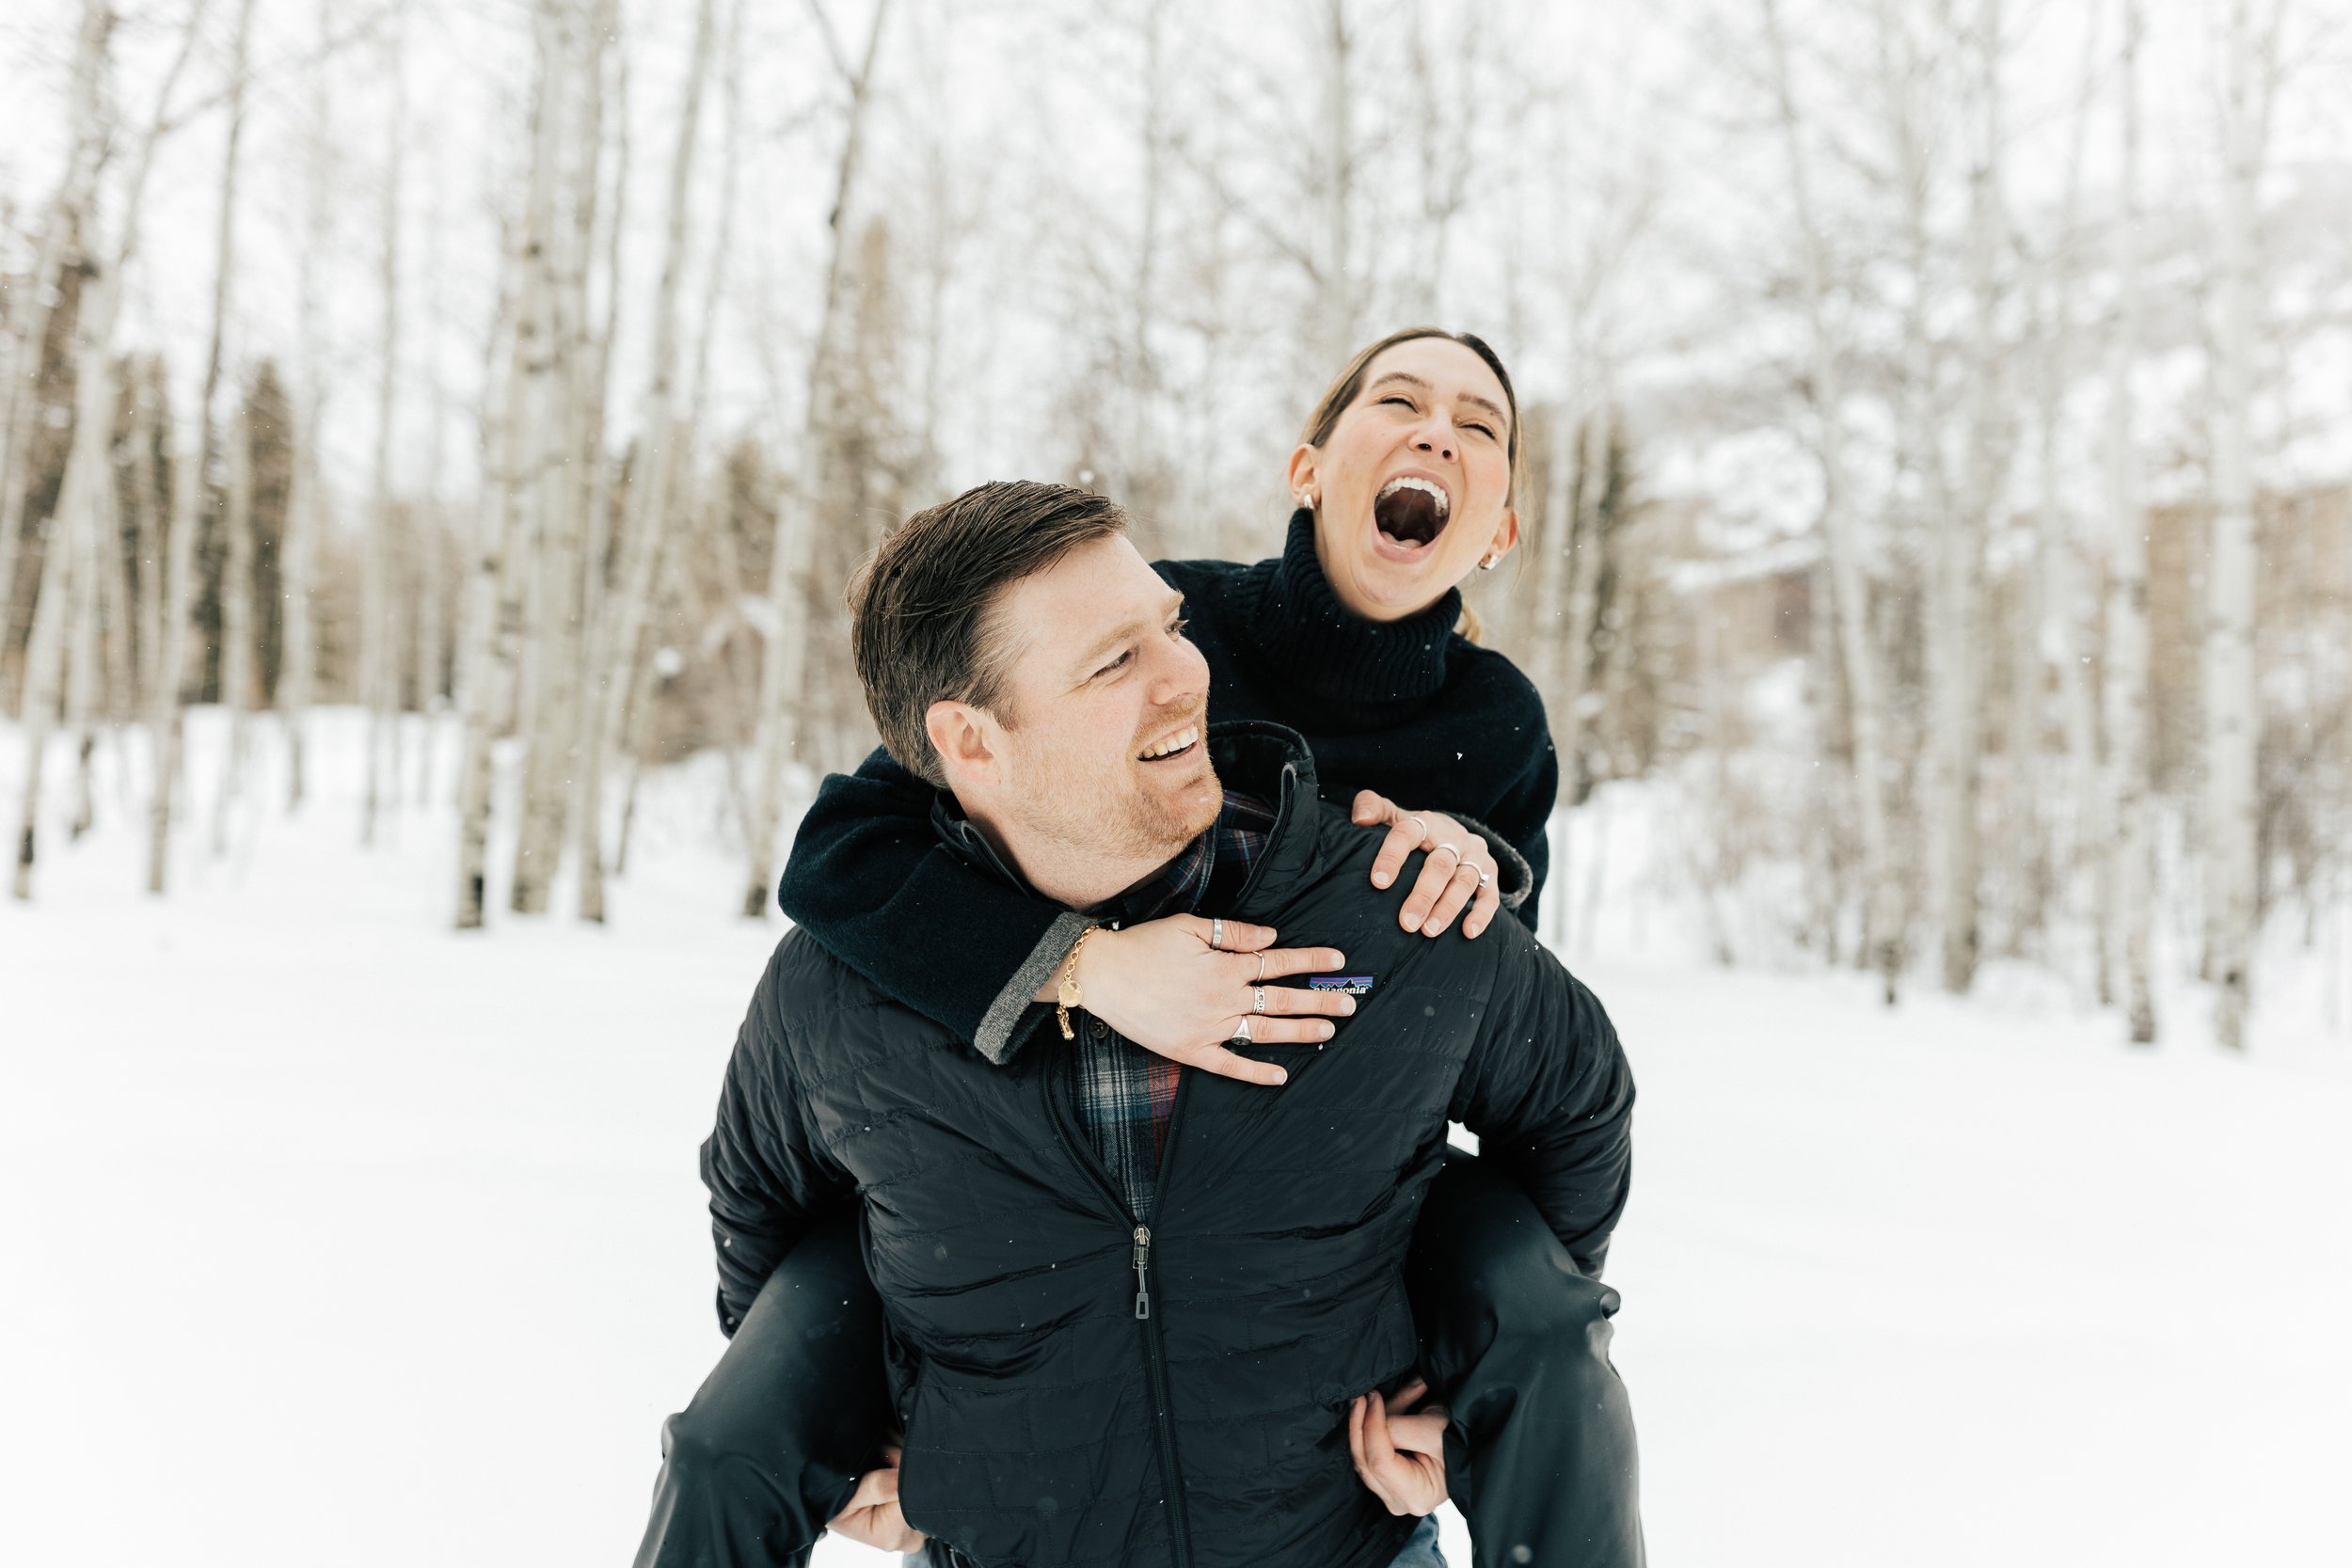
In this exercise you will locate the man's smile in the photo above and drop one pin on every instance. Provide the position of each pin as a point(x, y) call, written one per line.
point(1173, 746)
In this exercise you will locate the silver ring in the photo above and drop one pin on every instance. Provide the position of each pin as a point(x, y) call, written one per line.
point(1262, 966)
point(1485, 878)
point(1216, 931)
point(1260, 995)
point(1242, 1034)
point(1449, 849)
point(1422, 826)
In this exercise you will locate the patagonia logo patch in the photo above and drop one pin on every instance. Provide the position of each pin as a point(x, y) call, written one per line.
point(1351, 985)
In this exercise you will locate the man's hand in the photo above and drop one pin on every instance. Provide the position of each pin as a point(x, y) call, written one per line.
point(1468, 874)
point(1400, 1457)
point(873, 1515)
point(1164, 986)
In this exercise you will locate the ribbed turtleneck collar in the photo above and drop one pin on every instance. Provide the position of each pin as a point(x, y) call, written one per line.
point(1363, 669)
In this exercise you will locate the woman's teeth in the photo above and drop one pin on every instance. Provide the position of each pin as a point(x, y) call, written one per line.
point(1173, 745)
point(1411, 510)
point(1435, 493)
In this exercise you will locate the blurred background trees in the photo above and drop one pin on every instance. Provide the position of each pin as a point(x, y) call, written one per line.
point(1937, 413)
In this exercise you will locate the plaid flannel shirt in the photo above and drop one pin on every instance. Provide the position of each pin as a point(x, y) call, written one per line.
point(1127, 1094)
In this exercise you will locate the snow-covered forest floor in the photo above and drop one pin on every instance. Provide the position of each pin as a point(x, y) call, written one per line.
point(331, 1237)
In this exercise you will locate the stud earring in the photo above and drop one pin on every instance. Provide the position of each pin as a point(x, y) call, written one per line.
point(1490, 564)
point(1307, 499)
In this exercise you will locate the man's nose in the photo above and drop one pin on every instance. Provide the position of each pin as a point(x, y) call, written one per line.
point(1179, 675)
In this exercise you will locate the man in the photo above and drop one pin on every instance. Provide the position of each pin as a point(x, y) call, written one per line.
point(1127, 1328)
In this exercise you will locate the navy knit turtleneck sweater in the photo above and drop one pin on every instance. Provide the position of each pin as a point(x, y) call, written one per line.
point(1405, 708)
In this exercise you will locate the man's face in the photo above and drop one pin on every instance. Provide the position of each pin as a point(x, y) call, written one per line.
point(1102, 737)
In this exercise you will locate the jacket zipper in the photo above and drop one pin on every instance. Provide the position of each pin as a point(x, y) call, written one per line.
point(1154, 1349)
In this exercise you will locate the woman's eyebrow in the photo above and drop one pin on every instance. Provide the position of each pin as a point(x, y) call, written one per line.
point(1470, 397)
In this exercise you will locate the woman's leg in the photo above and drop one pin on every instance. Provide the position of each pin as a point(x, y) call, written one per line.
point(794, 1411)
point(1514, 1343)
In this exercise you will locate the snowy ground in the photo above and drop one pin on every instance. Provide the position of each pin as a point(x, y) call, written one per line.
point(329, 1237)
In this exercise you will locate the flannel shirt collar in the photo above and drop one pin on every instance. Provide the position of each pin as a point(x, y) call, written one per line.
point(1232, 844)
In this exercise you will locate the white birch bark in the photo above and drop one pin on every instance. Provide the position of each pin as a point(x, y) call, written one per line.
point(485, 664)
point(83, 608)
point(1334, 319)
point(94, 414)
point(1882, 940)
point(70, 557)
point(379, 678)
point(1961, 643)
point(2232, 720)
point(236, 619)
point(646, 517)
point(169, 721)
point(70, 223)
point(305, 496)
point(780, 694)
point(2127, 880)
point(562, 436)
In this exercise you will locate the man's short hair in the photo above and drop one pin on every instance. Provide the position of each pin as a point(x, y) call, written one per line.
point(923, 627)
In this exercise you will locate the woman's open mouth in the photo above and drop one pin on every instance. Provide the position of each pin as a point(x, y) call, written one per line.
point(1411, 511)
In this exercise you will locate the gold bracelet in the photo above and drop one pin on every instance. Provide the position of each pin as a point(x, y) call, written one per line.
point(1070, 995)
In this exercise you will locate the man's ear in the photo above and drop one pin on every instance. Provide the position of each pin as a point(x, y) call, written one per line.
point(966, 739)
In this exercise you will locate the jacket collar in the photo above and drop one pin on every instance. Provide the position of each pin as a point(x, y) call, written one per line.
point(1265, 759)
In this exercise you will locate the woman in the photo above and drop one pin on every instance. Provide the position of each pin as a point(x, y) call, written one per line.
point(1404, 484)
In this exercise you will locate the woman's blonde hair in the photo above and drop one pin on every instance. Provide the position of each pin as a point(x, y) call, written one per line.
point(1338, 397)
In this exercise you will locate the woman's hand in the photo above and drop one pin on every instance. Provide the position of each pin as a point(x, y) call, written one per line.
point(1398, 1457)
point(873, 1515)
point(1468, 877)
point(1162, 986)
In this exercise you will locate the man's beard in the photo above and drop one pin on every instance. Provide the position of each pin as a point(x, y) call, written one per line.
point(1116, 821)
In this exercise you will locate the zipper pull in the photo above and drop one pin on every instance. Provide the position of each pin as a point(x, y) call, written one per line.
point(1143, 1285)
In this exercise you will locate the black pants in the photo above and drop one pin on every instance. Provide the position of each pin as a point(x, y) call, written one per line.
point(1515, 1342)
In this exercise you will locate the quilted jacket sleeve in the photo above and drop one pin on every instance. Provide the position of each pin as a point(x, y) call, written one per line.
point(1547, 1091)
point(770, 1177)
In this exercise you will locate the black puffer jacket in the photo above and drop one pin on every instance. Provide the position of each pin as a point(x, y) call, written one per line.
point(1053, 1419)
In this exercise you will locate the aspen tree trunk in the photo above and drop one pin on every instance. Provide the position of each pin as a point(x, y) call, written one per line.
point(165, 715)
point(780, 692)
point(69, 553)
point(140, 493)
point(236, 619)
point(646, 517)
point(552, 731)
point(305, 496)
point(169, 719)
point(591, 409)
point(2232, 713)
point(88, 464)
point(44, 650)
point(540, 431)
point(2129, 877)
point(70, 222)
point(485, 662)
point(670, 548)
point(82, 611)
point(1883, 940)
point(2059, 626)
point(379, 679)
point(1961, 643)
point(1335, 306)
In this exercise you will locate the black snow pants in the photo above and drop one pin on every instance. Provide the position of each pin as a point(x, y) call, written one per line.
point(1515, 1342)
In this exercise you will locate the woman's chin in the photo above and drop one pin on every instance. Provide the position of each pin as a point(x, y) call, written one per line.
point(1397, 580)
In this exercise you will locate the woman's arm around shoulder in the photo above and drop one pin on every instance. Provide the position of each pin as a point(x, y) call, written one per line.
point(870, 881)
